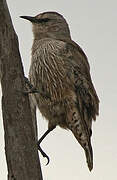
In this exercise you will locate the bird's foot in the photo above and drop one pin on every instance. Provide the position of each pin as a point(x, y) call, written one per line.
point(43, 153)
point(29, 91)
point(28, 83)
point(31, 87)
point(41, 139)
point(33, 90)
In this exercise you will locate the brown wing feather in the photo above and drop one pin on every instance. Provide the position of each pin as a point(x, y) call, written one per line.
point(86, 95)
point(84, 110)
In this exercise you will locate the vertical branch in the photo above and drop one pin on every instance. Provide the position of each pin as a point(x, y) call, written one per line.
point(20, 142)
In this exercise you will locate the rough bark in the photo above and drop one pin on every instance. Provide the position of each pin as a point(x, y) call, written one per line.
point(20, 142)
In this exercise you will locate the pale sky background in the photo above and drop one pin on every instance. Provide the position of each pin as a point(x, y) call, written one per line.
point(93, 25)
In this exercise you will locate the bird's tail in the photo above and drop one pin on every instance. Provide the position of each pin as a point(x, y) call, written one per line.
point(89, 156)
point(80, 130)
point(88, 151)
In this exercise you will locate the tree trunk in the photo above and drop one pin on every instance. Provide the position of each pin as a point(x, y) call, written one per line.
point(20, 141)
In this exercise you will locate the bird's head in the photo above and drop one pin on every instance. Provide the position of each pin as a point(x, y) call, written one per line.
point(49, 25)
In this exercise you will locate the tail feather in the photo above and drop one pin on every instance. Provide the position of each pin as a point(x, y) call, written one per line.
point(89, 156)
point(80, 130)
point(88, 150)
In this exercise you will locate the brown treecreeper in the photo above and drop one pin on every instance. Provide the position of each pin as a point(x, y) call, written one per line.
point(60, 69)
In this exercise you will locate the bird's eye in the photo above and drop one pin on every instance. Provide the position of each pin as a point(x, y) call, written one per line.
point(43, 20)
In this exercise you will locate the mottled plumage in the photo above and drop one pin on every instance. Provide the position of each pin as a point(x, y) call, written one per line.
point(60, 69)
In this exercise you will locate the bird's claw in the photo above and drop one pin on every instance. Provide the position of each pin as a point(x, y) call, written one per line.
point(44, 154)
point(33, 90)
point(30, 86)
point(48, 160)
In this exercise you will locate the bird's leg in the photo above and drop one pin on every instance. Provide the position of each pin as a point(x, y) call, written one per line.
point(40, 140)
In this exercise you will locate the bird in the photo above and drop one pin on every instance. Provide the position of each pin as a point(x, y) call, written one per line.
point(61, 72)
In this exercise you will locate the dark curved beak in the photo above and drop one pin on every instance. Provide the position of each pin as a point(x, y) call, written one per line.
point(29, 18)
